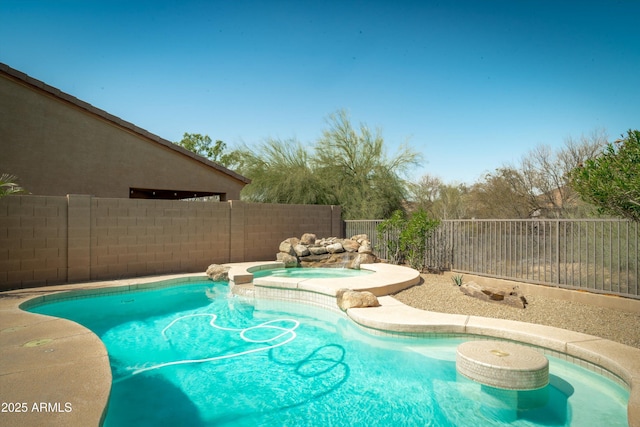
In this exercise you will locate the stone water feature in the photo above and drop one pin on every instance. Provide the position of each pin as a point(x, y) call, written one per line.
point(309, 251)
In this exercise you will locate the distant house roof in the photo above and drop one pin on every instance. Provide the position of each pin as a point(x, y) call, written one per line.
point(57, 93)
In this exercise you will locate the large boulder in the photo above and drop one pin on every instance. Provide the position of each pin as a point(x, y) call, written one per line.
point(362, 259)
point(313, 258)
point(335, 248)
point(365, 247)
point(301, 250)
point(288, 260)
point(512, 298)
point(308, 239)
point(346, 299)
point(286, 246)
point(318, 250)
point(340, 260)
point(360, 237)
point(350, 245)
point(218, 273)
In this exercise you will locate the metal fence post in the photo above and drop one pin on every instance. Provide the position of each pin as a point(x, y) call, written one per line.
point(557, 253)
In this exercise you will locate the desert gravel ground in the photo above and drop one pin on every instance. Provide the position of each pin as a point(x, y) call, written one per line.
point(438, 293)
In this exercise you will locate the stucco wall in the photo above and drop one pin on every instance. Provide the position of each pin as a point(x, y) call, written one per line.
point(57, 147)
point(52, 240)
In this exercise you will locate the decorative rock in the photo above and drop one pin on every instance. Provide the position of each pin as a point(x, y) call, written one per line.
point(362, 259)
point(327, 252)
point(350, 245)
point(287, 247)
point(301, 250)
point(341, 259)
point(308, 239)
point(347, 299)
point(335, 247)
point(313, 258)
point(326, 241)
point(317, 250)
point(512, 298)
point(218, 272)
point(288, 260)
point(338, 260)
point(365, 247)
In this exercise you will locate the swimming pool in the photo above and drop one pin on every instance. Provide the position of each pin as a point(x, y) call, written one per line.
point(194, 355)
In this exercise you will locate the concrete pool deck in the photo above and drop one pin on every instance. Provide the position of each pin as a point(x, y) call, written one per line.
point(55, 372)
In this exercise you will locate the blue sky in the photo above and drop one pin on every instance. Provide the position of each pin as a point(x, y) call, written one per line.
point(471, 85)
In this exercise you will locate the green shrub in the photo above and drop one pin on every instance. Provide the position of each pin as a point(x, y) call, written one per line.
point(413, 238)
point(389, 236)
point(611, 180)
point(406, 239)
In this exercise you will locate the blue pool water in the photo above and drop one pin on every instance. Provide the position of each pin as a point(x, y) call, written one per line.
point(194, 355)
point(311, 273)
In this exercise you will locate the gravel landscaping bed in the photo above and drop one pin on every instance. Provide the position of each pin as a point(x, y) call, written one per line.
point(438, 293)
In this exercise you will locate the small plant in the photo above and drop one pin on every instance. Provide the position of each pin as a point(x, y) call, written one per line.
point(8, 185)
point(457, 279)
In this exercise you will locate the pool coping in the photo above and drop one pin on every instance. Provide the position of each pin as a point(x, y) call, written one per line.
point(37, 350)
point(386, 279)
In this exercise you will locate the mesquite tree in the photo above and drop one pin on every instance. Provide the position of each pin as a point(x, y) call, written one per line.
point(347, 166)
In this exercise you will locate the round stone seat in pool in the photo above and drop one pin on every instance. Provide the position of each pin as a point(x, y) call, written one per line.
point(503, 365)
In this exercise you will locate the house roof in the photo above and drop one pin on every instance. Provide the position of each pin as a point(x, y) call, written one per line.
point(65, 97)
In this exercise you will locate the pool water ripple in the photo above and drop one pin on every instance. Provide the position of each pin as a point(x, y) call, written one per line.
point(268, 325)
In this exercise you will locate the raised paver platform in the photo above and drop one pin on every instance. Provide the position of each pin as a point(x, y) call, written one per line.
point(386, 279)
point(503, 365)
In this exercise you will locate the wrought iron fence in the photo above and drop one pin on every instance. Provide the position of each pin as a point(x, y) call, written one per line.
point(370, 228)
point(599, 255)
